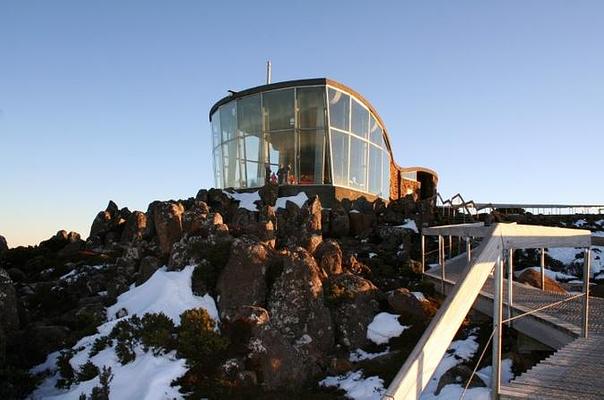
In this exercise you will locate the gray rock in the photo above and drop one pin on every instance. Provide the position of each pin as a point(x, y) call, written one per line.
point(296, 305)
point(167, 218)
point(243, 280)
point(147, 268)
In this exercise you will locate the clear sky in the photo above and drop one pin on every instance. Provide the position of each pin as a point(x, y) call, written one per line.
point(108, 100)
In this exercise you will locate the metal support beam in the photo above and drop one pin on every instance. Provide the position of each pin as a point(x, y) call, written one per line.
point(510, 283)
point(542, 269)
point(423, 254)
point(586, 276)
point(441, 252)
point(469, 249)
point(497, 317)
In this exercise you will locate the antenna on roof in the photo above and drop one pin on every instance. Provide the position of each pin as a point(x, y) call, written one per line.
point(268, 72)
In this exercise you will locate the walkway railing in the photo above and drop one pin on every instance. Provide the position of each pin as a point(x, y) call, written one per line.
point(490, 257)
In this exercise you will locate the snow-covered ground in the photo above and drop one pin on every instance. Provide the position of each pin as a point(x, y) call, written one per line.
point(384, 327)
point(408, 224)
point(359, 387)
point(148, 376)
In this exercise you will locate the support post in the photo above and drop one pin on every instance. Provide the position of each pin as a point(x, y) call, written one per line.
point(450, 246)
point(586, 274)
point(542, 269)
point(469, 249)
point(510, 283)
point(497, 310)
point(423, 254)
point(441, 252)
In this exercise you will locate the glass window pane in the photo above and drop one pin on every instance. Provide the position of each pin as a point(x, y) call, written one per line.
point(216, 129)
point(231, 164)
point(358, 164)
point(228, 121)
point(278, 108)
point(311, 156)
point(375, 132)
point(375, 170)
point(311, 107)
point(218, 167)
point(249, 115)
point(339, 109)
point(253, 150)
point(386, 176)
point(254, 174)
point(339, 151)
point(282, 153)
point(360, 119)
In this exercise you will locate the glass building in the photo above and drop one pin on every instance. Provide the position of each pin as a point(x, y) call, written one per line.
point(306, 133)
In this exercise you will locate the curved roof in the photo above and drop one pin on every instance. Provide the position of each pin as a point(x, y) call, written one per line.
point(317, 82)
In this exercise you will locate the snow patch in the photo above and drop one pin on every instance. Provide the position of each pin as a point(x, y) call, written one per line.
point(408, 224)
point(166, 291)
point(298, 199)
point(384, 327)
point(360, 355)
point(420, 296)
point(357, 387)
point(246, 200)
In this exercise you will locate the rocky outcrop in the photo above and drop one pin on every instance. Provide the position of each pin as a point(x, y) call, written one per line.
point(243, 280)
point(167, 218)
point(533, 278)
point(3, 244)
point(296, 305)
point(356, 301)
point(194, 218)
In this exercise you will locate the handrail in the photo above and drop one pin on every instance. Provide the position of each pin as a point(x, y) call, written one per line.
point(488, 257)
point(417, 370)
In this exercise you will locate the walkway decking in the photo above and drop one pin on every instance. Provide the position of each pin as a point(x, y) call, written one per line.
point(576, 370)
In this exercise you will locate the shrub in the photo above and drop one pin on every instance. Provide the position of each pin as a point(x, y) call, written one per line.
point(87, 372)
point(157, 332)
point(198, 342)
point(99, 345)
point(102, 391)
point(17, 383)
point(68, 376)
point(126, 332)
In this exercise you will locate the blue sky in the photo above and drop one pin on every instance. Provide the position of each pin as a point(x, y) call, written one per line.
point(109, 99)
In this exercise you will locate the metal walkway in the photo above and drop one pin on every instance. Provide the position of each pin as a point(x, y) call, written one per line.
point(573, 372)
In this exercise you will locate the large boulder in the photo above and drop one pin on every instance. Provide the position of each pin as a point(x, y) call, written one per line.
point(135, 228)
point(356, 302)
point(3, 244)
point(405, 303)
point(296, 305)
point(194, 218)
point(300, 226)
point(361, 221)
point(278, 364)
point(533, 278)
point(243, 280)
point(339, 222)
point(329, 256)
point(167, 218)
